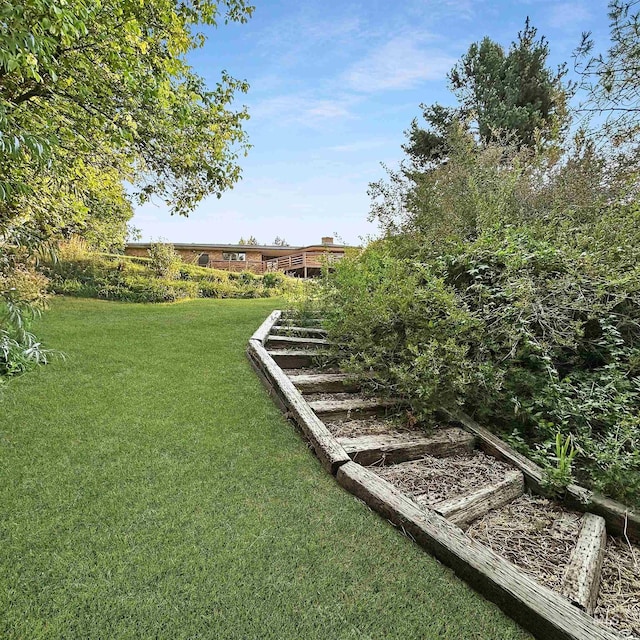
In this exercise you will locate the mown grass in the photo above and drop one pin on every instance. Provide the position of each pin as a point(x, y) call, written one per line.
point(149, 488)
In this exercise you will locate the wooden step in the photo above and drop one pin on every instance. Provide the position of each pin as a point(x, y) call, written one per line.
point(352, 407)
point(539, 609)
point(620, 518)
point(582, 578)
point(325, 383)
point(294, 358)
point(462, 510)
point(400, 447)
point(302, 331)
point(297, 322)
point(294, 342)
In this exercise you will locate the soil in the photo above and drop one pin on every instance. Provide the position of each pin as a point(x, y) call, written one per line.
point(432, 480)
point(374, 425)
point(535, 534)
point(619, 598)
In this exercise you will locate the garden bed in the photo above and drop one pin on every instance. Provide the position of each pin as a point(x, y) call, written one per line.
point(373, 425)
point(534, 533)
point(619, 599)
point(436, 479)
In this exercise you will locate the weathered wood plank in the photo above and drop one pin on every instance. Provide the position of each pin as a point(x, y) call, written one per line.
point(265, 328)
point(266, 382)
point(545, 614)
point(297, 322)
point(400, 447)
point(465, 509)
point(582, 578)
point(620, 519)
point(354, 407)
point(292, 314)
point(294, 359)
point(303, 331)
point(327, 448)
point(294, 342)
point(325, 383)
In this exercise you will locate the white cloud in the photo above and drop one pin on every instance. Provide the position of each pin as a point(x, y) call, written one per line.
point(569, 16)
point(401, 63)
point(293, 38)
point(302, 109)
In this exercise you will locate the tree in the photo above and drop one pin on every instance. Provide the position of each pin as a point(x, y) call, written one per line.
point(111, 77)
point(612, 80)
point(510, 94)
point(252, 241)
point(97, 93)
point(430, 145)
point(280, 242)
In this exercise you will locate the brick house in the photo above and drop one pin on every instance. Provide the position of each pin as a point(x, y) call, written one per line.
point(295, 261)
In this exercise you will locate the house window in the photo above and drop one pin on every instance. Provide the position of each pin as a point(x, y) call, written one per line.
point(234, 257)
point(203, 259)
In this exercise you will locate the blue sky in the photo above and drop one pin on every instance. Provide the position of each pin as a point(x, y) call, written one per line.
point(334, 84)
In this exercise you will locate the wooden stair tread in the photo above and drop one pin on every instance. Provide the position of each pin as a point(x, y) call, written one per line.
point(294, 358)
point(544, 612)
point(403, 446)
point(296, 322)
point(292, 352)
point(356, 405)
point(462, 510)
point(287, 330)
point(581, 582)
point(324, 382)
point(295, 341)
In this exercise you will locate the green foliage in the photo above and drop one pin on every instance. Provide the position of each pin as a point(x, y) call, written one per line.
point(558, 475)
point(512, 91)
point(22, 296)
point(273, 280)
point(164, 260)
point(428, 146)
point(109, 81)
point(396, 319)
point(503, 95)
point(507, 282)
point(113, 277)
point(20, 350)
point(20, 353)
point(612, 80)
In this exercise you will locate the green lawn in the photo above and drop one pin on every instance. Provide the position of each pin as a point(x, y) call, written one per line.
point(149, 488)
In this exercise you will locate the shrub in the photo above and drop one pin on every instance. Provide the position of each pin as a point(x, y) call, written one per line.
point(247, 277)
point(399, 320)
point(273, 280)
point(115, 277)
point(20, 351)
point(508, 283)
point(164, 260)
point(73, 250)
point(532, 340)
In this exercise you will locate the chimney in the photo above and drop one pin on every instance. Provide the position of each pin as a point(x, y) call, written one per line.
point(327, 240)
